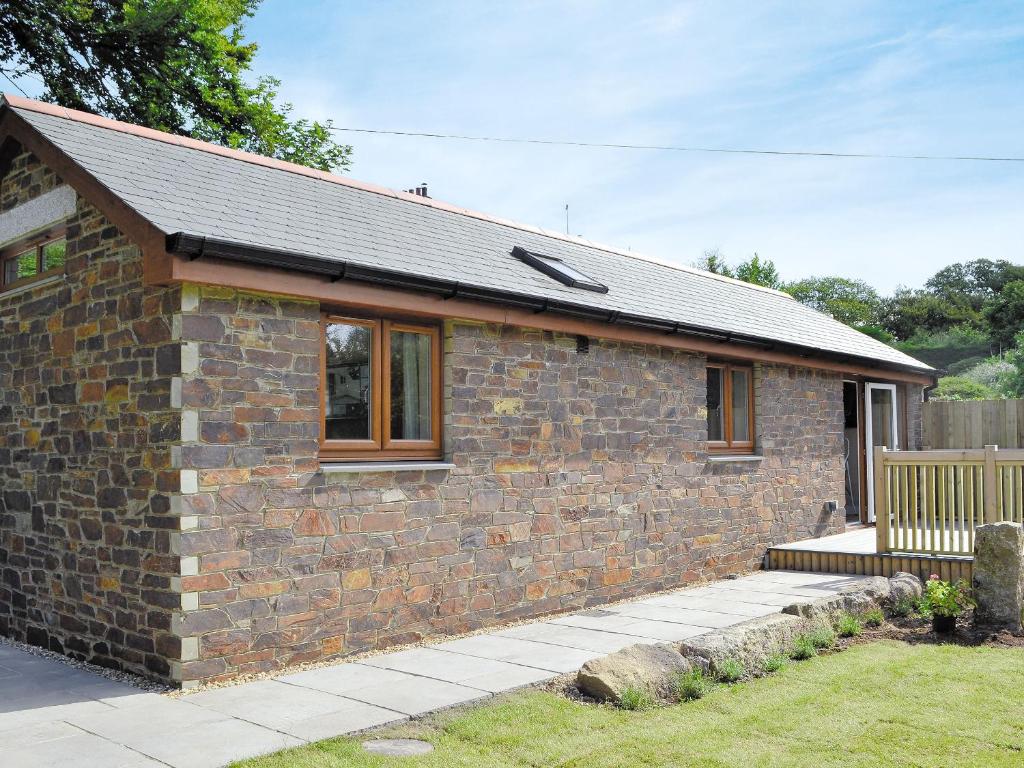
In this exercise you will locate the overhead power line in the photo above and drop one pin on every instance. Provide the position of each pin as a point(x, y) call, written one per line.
point(667, 148)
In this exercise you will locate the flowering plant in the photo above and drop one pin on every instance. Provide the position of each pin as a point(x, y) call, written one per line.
point(944, 598)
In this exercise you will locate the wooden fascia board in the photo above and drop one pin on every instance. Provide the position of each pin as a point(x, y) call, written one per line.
point(152, 242)
point(361, 296)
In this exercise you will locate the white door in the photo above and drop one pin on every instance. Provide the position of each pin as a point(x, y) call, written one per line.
point(881, 429)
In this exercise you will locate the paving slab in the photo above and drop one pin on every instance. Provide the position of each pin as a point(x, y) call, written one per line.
point(81, 750)
point(742, 610)
point(673, 615)
point(418, 695)
point(525, 652)
point(344, 678)
point(293, 709)
point(642, 629)
point(442, 665)
point(572, 637)
point(207, 745)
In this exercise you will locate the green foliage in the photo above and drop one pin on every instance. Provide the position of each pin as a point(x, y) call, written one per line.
point(848, 625)
point(172, 65)
point(853, 302)
point(977, 280)
point(961, 367)
point(873, 618)
point(759, 272)
point(822, 637)
point(730, 671)
point(908, 312)
point(714, 261)
point(944, 598)
point(961, 388)
point(754, 270)
point(692, 685)
point(803, 648)
point(904, 607)
point(774, 663)
point(1004, 313)
point(636, 699)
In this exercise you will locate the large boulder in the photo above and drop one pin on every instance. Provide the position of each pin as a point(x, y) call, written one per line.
point(651, 667)
point(856, 598)
point(749, 643)
point(904, 586)
point(999, 575)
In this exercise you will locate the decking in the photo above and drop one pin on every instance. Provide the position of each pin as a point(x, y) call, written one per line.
point(854, 552)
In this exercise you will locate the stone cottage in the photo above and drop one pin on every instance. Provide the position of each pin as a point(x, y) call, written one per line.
point(253, 414)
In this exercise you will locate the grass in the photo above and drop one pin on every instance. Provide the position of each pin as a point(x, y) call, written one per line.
point(774, 663)
point(873, 618)
point(822, 638)
point(730, 671)
point(803, 648)
point(637, 699)
point(876, 704)
point(692, 685)
point(848, 626)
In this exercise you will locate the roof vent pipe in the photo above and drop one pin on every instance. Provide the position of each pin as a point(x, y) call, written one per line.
point(421, 190)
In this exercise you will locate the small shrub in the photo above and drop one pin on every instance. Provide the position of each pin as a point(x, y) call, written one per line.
point(730, 671)
point(848, 626)
point(944, 598)
point(904, 607)
point(822, 637)
point(803, 648)
point(692, 685)
point(636, 699)
point(873, 618)
point(773, 663)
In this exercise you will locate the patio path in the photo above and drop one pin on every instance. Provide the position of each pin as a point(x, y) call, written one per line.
point(55, 715)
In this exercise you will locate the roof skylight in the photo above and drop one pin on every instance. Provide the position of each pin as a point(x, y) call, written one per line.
point(559, 270)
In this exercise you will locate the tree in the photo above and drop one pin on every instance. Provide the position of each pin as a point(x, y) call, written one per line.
point(908, 312)
point(714, 261)
point(959, 388)
point(172, 65)
point(973, 282)
point(759, 272)
point(853, 302)
point(1005, 313)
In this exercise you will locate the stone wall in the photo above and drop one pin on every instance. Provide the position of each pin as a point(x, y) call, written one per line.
point(85, 434)
point(580, 478)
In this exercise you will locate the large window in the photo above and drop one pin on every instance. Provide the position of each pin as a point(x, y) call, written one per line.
point(730, 408)
point(31, 260)
point(381, 390)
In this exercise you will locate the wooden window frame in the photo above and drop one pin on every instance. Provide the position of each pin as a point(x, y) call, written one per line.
point(730, 446)
point(381, 447)
point(34, 242)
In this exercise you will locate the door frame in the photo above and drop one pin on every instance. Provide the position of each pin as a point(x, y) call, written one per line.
point(869, 453)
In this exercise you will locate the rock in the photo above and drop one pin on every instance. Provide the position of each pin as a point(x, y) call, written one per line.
point(643, 666)
point(999, 575)
point(749, 643)
point(857, 598)
point(905, 586)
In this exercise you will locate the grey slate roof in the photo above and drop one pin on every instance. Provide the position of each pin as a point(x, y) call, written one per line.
point(185, 189)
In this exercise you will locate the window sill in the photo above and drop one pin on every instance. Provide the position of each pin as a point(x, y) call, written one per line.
point(31, 286)
point(727, 459)
point(364, 467)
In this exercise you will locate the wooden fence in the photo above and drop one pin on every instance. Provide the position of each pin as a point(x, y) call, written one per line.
point(973, 423)
point(929, 502)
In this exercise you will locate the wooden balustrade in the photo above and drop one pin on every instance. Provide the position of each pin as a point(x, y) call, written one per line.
point(929, 502)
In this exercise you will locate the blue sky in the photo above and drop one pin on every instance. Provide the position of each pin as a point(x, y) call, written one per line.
point(938, 78)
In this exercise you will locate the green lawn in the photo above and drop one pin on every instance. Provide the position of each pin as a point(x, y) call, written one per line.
point(878, 704)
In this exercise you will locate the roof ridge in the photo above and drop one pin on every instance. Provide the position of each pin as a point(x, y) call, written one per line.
point(42, 107)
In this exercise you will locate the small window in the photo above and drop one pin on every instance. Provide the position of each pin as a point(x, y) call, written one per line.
point(730, 406)
point(31, 260)
point(559, 270)
point(381, 392)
